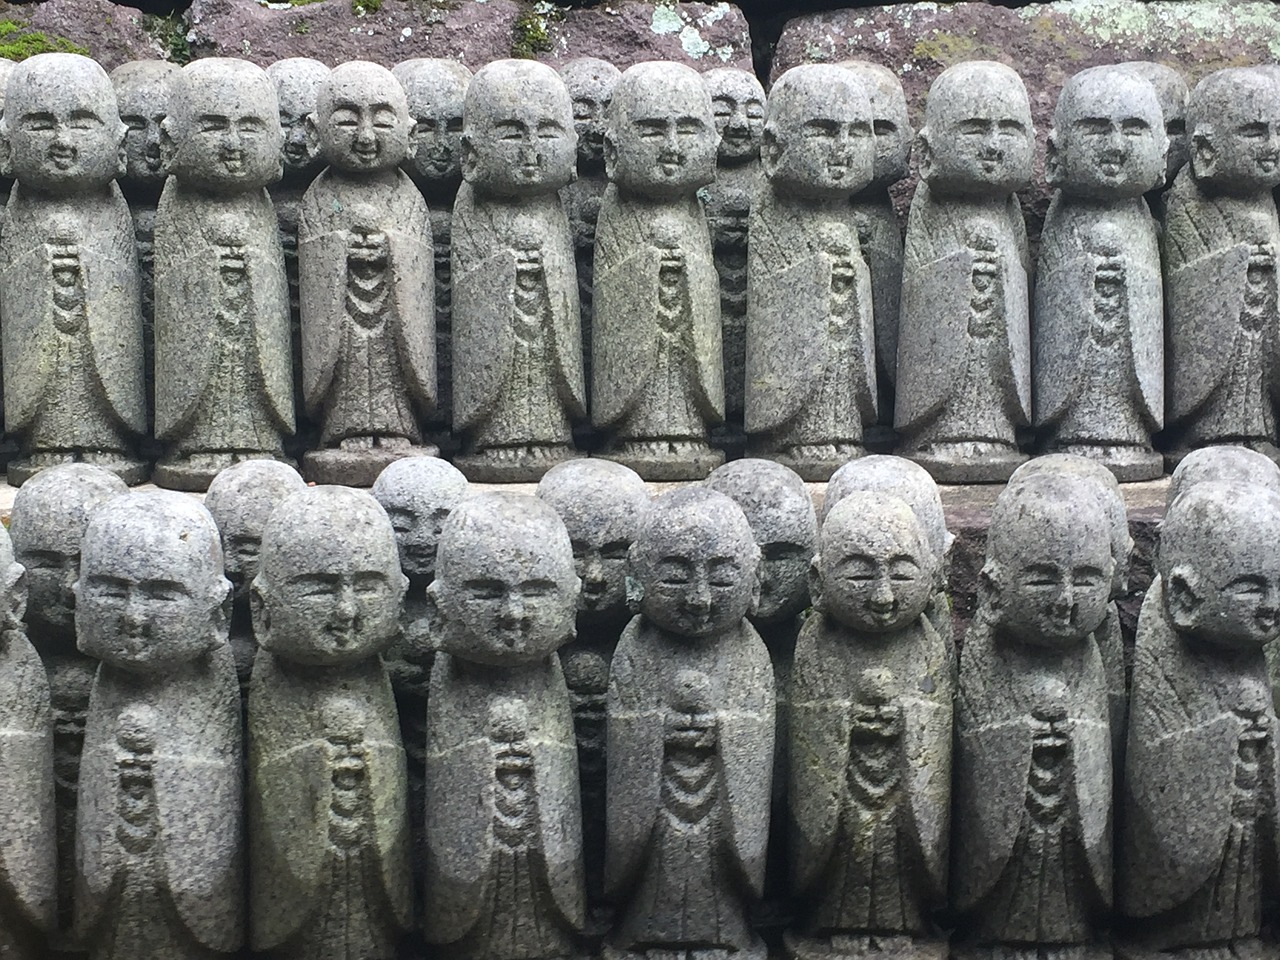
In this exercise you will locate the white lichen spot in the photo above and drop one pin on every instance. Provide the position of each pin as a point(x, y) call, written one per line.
point(725, 53)
point(665, 20)
point(815, 52)
point(882, 36)
point(692, 43)
point(405, 34)
point(245, 48)
point(714, 15)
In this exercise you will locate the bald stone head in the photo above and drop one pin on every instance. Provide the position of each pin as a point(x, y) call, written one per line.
point(62, 125)
point(977, 137)
point(1234, 121)
point(890, 121)
point(418, 494)
point(590, 82)
point(297, 81)
point(661, 139)
point(142, 94)
point(1229, 463)
point(241, 499)
point(436, 91)
point(738, 103)
point(362, 119)
point(1172, 92)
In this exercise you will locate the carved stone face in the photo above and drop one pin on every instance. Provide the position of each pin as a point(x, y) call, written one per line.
point(518, 129)
point(418, 494)
point(151, 591)
point(63, 124)
point(362, 118)
point(890, 121)
point(977, 137)
point(590, 83)
point(875, 569)
point(1108, 136)
point(240, 500)
point(1235, 137)
point(661, 139)
point(142, 91)
point(436, 91)
point(737, 101)
point(297, 81)
point(505, 588)
point(818, 141)
point(1171, 92)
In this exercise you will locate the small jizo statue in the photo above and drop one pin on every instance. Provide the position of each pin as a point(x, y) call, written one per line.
point(691, 736)
point(1033, 783)
point(1196, 862)
point(50, 513)
point(517, 330)
point(504, 821)
point(1227, 463)
point(964, 371)
point(870, 732)
point(364, 268)
point(1171, 92)
point(1098, 349)
point(72, 334)
point(657, 369)
point(28, 855)
point(159, 827)
point(811, 366)
point(224, 373)
point(329, 877)
point(1220, 242)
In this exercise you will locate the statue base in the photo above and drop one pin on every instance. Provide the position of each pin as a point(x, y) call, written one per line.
point(968, 462)
point(194, 472)
point(132, 472)
point(862, 946)
point(1034, 951)
point(666, 460)
point(1251, 948)
point(1264, 447)
point(815, 463)
point(1127, 464)
point(756, 950)
point(523, 464)
point(356, 468)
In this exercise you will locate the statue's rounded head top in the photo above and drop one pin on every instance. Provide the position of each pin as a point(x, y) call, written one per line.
point(61, 125)
point(661, 136)
point(241, 499)
point(6, 70)
point(1233, 120)
point(362, 119)
point(1230, 463)
point(737, 101)
point(780, 512)
point(875, 571)
point(151, 594)
point(1048, 576)
point(418, 494)
point(1219, 567)
point(47, 523)
point(505, 591)
point(601, 504)
point(891, 122)
point(297, 81)
point(696, 564)
point(436, 90)
point(517, 130)
point(977, 137)
point(143, 88)
point(1172, 92)
point(329, 587)
point(223, 131)
point(1108, 140)
point(590, 82)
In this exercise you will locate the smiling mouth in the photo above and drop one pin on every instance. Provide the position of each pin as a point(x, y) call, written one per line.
point(1111, 167)
point(63, 157)
point(233, 162)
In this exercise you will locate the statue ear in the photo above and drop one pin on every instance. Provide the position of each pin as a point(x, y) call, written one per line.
point(432, 613)
point(1053, 172)
point(15, 589)
point(311, 130)
point(923, 153)
point(6, 150)
point(610, 156)
point(1204, 156)
point(468, 158)
point(758, 583)
point(1181, 600)
point(221, 613)
point(259, 614)
point(989, 587)
point(168, 146)
point(815, 585)
point(122, 154)
point(770, 151)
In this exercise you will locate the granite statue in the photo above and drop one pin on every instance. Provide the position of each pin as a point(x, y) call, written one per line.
point(1228, 463)
point(657, 369)
point(1172, 93)
point(72, 333)
point(6, 178)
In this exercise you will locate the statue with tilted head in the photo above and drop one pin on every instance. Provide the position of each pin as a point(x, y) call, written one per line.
point(1220, 242)
point(691, 730)
point(1031, 864)
point(811, 367)
point(516, 325)
point(1171, 92)
point(964, 370)
point(224, 370)
point(364, 268)
point(72, 335)
point(657, 369)
point(328, 824)
point(1098, 348)
point(870, 771)
point(159, 825)
point(504, 822)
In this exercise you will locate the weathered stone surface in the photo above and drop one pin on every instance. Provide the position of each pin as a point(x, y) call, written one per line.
point(110, 33)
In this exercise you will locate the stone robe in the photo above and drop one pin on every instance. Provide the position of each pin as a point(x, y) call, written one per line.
point(881, 241)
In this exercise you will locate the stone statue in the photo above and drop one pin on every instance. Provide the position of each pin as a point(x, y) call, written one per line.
point(811, 364)
point(1228, 463)
point(50, 513)
point(518, 354)
point(240, 500)
point(328, 823)
point(364, 268)
point(602, 504)
point(1171, 92)
point(738, 104)
point(964, 375)
point(6, 181)
point(159, 825)
point(870, 777)
point(1220, 241)
point(879, 233)
point(691, 727)
point(436, 90)
point(1195, 855)
point(658, 371)
point(1033, 781)
point(224, 375)
point(1098, 350)
point(28, 854)
point(72, 334)
point(590, 83)
point(504, 822)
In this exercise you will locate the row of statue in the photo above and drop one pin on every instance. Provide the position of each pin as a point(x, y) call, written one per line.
point(433, 263)
point(617, 726)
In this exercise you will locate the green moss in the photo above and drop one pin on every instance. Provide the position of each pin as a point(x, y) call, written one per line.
point(361, 7)
point(18, 43)
point(302, 27)
point(529, 36)
point(171, 34)
point(945, 48)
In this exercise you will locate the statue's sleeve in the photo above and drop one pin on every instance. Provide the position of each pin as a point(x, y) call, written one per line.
point(389, 791)
point(1063, 306)
point(704, 306)
point(25, 341)
point(1092, 768)
point(271, 313)
point(559, 803)
point(322, 284)
point(927, 742)
point(413, 279)
point(566, 323)
point(881, 241)
point(99, 857)
point(1146, 320)
point(1017, 321)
